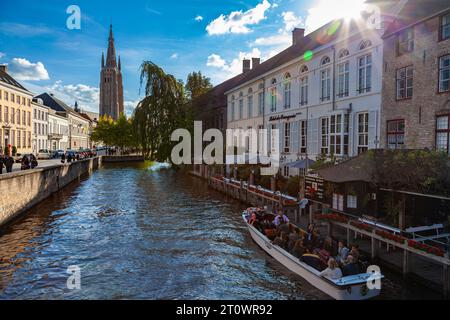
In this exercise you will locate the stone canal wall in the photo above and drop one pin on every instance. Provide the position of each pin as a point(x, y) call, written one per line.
point(22, 190)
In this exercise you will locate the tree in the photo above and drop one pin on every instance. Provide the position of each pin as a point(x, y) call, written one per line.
point(163, 110)
point(117, 133)
point(197, 85)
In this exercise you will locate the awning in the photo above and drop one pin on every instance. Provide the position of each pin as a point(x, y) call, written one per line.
point(301, 164)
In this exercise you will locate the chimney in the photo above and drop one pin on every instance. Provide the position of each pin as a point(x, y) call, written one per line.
point(4, 68)
point(256, 62)
point(246, 65)
point(297, 35)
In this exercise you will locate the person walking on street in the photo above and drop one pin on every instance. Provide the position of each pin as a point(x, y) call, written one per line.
point(9, 162)
point(25, 163)
point(63, 158)
point(2, 161)
point(33, 162)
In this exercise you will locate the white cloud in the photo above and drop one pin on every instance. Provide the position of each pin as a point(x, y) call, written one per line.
point(198, 18)
point(174, 56)
point(25, 30)
point(129, 107)
point(2, 54)
point(283, 38)
point(238, 21)
point(22, 69)
point(87, 97)
point(325, 11)
point(226, 70)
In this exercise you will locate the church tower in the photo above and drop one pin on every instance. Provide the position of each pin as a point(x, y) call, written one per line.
point(111, 86)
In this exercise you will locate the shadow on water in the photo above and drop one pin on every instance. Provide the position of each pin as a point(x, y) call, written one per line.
point(142, 234)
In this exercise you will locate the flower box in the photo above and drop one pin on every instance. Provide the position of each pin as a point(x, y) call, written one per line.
point(362, 226)
point(390, 236)
point(332, 217)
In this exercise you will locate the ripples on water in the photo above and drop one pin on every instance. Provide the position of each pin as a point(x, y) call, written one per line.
point(142, 234)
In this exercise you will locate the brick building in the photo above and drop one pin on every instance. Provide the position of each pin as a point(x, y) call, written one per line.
point(416, 78)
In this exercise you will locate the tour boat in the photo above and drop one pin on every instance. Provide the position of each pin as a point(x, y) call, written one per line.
point(354, 287)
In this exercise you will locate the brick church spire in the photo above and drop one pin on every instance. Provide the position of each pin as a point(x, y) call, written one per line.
point(111, 86)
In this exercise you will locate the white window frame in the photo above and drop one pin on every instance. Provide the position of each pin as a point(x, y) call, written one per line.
point(304, 91)
point(273, 99)
point(405, 82)
point(287, 137)
point(343, 79)
point(363, 132)
point(250, 106)
point(287, 94)
point(325, 84)
point(352, 201)
point(325, 135)
point(303, 130)
point(442, 70)
point(365, 73)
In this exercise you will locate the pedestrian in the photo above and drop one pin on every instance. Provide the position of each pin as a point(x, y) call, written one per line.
point(69, 158)
point(25, 163)
point(2, 161)
point(9, 162)
point(63, 158)
point(34, 162)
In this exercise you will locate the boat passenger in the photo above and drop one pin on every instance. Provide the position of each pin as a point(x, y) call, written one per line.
point(298, 250)
point(355, 252)
point(351, 267)
point(280, 219)
point(313, 260)
point(293, 238)
point(333, 271)
point(342, 252)
point(281, 240)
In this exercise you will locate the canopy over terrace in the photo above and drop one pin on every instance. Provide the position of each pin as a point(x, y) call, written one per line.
point(301, 164)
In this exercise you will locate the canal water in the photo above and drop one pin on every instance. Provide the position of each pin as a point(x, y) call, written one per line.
point(137, 233)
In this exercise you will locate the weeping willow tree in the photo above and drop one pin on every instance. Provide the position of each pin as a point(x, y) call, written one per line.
point(163, 110)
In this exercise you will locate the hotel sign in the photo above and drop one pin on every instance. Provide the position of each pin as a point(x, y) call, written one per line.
point(314, 187)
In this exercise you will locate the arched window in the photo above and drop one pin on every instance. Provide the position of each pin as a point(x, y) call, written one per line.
point(287, 76)
point(343, 53)
point(365, 44)
point(241, 94)
point(325, 60)
point(250, 91)
point(261, 85)
point(274, 81)
point(304, 69)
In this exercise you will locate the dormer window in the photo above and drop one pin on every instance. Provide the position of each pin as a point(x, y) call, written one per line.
point(274, 81)
point(343, 53)
point(325, 60)
point(365, 44)
point(304, 69)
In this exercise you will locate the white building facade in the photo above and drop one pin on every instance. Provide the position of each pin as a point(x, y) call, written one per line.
point(324, 97)
point(58, 131)
point(40, 126)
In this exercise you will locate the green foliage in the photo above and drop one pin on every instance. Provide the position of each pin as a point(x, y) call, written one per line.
point(163, 110)
point(293, 186)
point(14, 150)
point(197, 85)
point(324, 161)
point(117, 133)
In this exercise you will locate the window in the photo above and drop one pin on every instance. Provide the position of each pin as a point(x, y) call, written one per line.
point(232, 112)
point(19, 140)
point(352, 202)
point(304, 91)
point(363, 132)
point(35, 128)
point(273, 99)
point(443, 133)
point(287, 95)
point(325, 60)
point(405, 41)
point(6, 117)
point(261, 103)
point(396, 134)
point(405, 83)
point(6, 96)
point(365, 44)
point(445, 27)
point(24, 118)
point(241, 109)
point(18, 116)
point(286, 171)
point(29, 119)
point(336, 134)
point(303, 69)
point(12, 115)
point(287, 137)
point(250, 106)
point(343, 53)
point(303, 136)
point(365, 73)
point(444, 73)
point(324, 135)
point(343, 79)
point(338, 202)
point(1, 116)
point(273, 127)
point(12, 97)
point(325, 90)
point(24, 137)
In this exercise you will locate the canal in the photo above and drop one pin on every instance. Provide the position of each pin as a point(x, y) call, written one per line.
point(136, 233)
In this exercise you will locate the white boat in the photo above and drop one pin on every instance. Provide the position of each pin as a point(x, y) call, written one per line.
point(346, 288)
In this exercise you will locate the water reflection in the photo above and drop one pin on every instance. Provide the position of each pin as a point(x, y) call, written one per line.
point(142, 234)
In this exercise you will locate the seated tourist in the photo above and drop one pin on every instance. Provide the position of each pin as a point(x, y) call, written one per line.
point(293, 238)
point(351, 267)
point(342, 252)
point(281, 240)
point(355, 252)
point(281, 219)
point(298, 250)
point(333, 271)
point(252, 219)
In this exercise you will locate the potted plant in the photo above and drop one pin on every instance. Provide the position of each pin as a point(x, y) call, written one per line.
point(14, 151)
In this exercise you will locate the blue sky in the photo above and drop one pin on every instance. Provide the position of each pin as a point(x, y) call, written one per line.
point(181, 36)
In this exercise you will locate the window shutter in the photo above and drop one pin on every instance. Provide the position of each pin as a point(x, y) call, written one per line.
point(295, 137)
point(373, 119)
point(313, 136)
point(351, 134)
